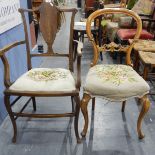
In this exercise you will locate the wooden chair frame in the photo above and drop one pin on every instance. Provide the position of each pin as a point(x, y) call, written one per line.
point(32, 94)
point(111, 48)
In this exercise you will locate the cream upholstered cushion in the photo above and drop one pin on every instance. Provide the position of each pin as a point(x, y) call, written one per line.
point(115, 82)
point(147, 57)
point(45, 79)
point(144, 45)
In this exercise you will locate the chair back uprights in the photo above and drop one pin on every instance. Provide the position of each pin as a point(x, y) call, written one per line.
point(50, 21)
point(112, 47)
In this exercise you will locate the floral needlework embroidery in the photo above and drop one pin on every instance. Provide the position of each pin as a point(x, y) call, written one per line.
point(116, 74)
point(46, 75)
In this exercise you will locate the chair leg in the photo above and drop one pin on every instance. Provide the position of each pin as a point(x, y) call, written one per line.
point(123, 106)
point(72, 100)
point(9, 110)
point(93, 103)
point(34, 103)
point(77, 110)
point(145, 73)
point(84, 104)
point(144, 110)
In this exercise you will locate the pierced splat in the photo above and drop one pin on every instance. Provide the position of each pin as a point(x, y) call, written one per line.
point(112, 47)
point(49, 23)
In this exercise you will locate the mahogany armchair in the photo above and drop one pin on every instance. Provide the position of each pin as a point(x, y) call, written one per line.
point(114, 82)
point(44, 82)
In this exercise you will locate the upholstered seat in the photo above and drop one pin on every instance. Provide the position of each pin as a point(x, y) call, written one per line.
point(147, 60)
point(45, 79)
point(144, 45)
point(125, 34)
point(147, 57)
point(115, 82)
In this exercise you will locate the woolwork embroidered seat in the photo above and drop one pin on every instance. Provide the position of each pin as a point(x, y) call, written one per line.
point(114, 82)
point(45, 79)
point(45, 82)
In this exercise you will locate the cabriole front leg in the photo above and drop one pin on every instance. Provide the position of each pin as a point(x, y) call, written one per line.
point(144, 110)
point(9, 110)
point(84, 104)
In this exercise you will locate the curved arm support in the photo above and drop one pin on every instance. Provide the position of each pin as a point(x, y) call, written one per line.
point(79, 55)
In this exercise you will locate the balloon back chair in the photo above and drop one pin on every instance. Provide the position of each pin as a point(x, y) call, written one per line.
point(44, 82)
point(114, 82)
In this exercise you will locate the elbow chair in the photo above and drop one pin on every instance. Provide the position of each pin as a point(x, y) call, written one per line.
point(44, 82)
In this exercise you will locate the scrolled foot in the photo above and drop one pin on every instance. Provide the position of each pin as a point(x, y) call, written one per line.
point(79, 141)
point(83, 134)
point(141, 135)
point(144, 110)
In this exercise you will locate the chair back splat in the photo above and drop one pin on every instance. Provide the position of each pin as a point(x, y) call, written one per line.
point(49, 27)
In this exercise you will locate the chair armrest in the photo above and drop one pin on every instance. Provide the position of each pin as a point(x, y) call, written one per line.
point(79, 55)
point(5, 62)
point(8, 47)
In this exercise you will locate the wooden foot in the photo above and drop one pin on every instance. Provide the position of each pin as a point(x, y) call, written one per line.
point(144, 110)
point(84, 104)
